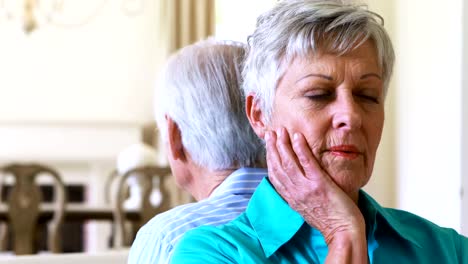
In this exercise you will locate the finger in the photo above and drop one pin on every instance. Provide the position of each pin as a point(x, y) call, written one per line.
point(276, 174)
point(289, 160)
point(273, 158)
point(305, 157)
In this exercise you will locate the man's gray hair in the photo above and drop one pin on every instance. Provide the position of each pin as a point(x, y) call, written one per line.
point(301, 28)
point(201, 91)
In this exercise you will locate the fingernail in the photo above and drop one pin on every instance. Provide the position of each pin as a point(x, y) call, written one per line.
point(278, 132)
point(267, 135)
point(296, 136)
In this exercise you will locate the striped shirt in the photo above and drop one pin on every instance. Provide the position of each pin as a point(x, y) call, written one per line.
point(156, 239)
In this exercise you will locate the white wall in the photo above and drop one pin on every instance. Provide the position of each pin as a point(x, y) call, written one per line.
point(102, 71)
point(235, 20)
point(464, 205)
point(429, 69)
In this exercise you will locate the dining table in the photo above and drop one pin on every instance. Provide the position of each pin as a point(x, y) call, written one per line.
point(77, 212)
point(74, 214)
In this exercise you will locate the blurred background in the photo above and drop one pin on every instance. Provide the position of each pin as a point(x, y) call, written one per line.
point(78, 79)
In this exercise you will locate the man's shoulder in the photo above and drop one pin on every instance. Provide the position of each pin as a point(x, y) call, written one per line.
point(233, 233)
point(165, 222)
point(163, 231)
point(156, 239)
point(170, 225)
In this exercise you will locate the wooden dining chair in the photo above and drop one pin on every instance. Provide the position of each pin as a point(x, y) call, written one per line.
point(145, 177)
point(24, 200)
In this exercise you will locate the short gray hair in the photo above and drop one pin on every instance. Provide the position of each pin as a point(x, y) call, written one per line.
point(306, 27)
point(201, 91)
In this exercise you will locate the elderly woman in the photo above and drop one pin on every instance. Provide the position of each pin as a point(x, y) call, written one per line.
point(315, 79)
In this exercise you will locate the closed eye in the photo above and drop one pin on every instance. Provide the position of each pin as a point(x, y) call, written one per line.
point(369, 98)
point(320, 96)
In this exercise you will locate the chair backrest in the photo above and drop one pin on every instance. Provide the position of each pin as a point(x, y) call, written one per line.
point(24, 200)
point(145, 176)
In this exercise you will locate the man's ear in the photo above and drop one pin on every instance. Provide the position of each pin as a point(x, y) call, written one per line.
point(174, 138)
point(255, 115)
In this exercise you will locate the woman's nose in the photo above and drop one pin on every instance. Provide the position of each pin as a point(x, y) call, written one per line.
point(346, 115)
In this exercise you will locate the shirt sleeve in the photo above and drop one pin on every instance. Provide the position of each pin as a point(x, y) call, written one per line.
point(149, 248)
point(200, 246)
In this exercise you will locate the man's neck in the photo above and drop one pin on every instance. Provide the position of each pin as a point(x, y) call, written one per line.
point(207, 181)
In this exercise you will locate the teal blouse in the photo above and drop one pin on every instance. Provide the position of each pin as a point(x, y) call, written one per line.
point(270, 231)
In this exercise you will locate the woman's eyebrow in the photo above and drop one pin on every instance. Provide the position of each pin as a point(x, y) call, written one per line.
point(329, 78)
point(368, 75)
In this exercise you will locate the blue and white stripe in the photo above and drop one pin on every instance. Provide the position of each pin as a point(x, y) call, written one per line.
point(155, 240)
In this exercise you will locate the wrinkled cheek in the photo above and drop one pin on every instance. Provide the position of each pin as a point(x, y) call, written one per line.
point(369, 167)
point(370, 161)
point(350, 176)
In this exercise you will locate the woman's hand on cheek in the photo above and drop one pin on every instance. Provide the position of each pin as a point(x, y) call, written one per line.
point(308, 189)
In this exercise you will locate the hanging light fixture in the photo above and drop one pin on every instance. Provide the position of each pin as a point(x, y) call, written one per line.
point(33, 13)
point(29, 21)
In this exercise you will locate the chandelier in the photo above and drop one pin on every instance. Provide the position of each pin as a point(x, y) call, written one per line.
point(64, 13)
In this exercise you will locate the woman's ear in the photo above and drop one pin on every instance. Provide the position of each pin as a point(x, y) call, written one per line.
point(255, 115)
point(174, 138)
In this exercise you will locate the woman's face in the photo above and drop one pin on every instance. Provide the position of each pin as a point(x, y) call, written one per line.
point(337, 103)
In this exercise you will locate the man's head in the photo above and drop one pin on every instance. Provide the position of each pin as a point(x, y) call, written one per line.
point(200, 98)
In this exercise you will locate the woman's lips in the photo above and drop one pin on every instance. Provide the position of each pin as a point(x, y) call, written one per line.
point(345, 151)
